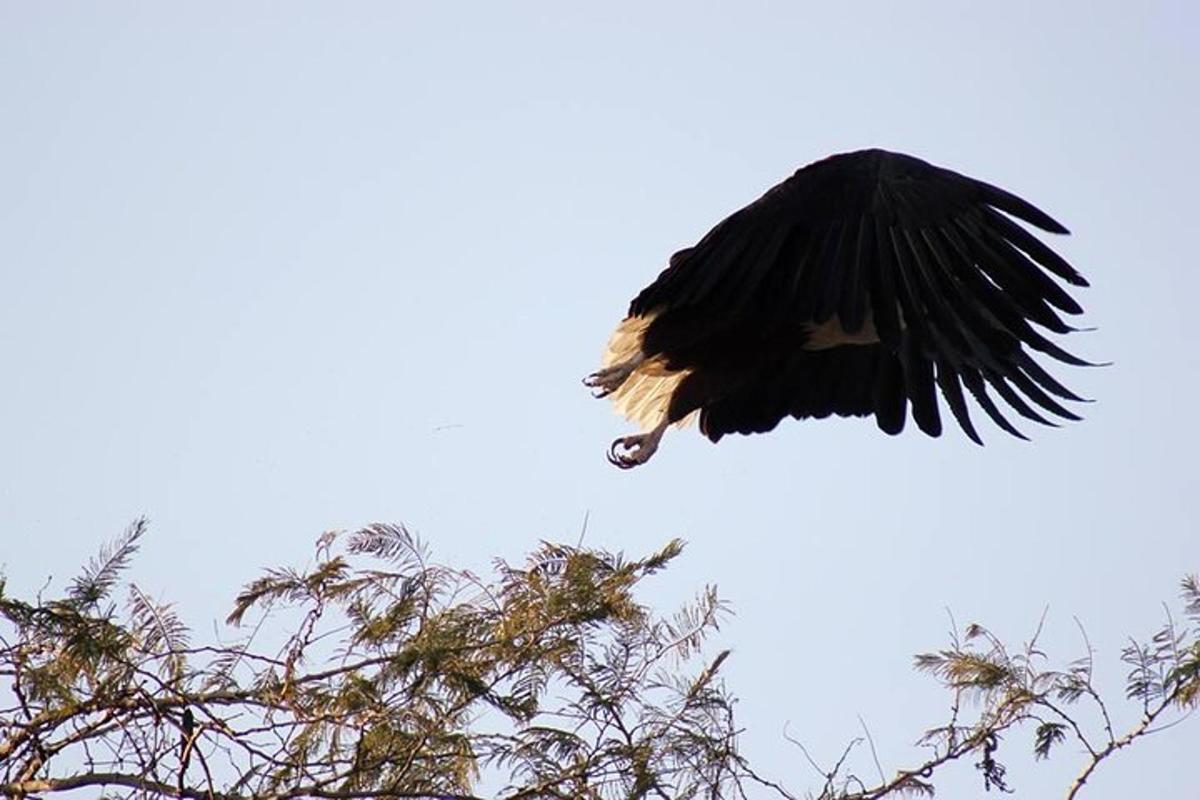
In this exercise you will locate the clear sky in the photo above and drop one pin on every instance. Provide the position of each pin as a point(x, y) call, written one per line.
point(268, 269)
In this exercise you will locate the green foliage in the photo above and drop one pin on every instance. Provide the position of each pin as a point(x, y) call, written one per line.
point(1014, 688)
point(74, 645)
point(1182, 680)
point(552, 679)
point(1007, 690)
point(1046, 736)
point(100, 575)
point(401, 677)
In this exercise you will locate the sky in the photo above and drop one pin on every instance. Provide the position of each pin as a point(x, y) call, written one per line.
point(270, 269)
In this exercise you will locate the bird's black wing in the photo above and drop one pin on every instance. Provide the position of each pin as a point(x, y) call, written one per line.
point(934, 261)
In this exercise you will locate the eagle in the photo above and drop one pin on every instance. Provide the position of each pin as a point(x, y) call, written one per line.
point(853, 288)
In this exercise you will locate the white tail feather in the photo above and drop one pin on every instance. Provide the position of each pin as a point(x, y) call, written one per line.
point(645, 395)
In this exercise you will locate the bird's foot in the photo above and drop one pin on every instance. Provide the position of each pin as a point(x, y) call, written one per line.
point(607, 380)
point(630, 451)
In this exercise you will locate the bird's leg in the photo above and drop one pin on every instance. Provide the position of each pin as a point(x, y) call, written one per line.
point(629, 451)
point(607, 380)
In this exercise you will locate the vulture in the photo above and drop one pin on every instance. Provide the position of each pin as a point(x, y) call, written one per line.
point(863, 285)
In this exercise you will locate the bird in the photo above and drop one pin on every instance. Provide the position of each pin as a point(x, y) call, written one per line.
point(862, 285)
point(187, 728)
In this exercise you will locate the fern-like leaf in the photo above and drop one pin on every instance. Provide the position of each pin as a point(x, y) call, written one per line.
point(1190, 590)
point(1048, 734)
point(389, 542)
point(160, 630)
point(102, 572)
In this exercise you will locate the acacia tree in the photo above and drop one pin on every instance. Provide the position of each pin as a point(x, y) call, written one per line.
point(1014, 690)
point(402, 677)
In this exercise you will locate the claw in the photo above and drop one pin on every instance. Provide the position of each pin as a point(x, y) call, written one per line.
point(623, 460)
point(608, 379)
point(593, 382)
point(636, 449)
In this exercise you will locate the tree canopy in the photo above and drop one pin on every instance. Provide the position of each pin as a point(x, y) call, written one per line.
point(396, 676)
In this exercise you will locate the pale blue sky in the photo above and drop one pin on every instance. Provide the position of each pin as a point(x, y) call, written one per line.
point(268, 269)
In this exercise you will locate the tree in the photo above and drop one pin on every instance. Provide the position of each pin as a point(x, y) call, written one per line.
point(405, 678)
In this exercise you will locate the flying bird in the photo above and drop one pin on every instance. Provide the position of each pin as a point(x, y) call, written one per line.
point(854, 288)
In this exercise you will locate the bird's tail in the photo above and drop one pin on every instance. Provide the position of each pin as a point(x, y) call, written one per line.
point(645, 395)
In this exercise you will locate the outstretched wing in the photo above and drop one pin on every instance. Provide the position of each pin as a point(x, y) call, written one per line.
point(931, 262)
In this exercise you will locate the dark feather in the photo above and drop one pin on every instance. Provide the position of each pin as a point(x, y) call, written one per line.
point(1038, 251)
point(918, 378)
point(1017, 402)
point(718, 264)
point(797, 262)
point(947, 379)
point(889, 394)
point(1001, 306)
point(828, 273)
point(883, 287)
point(937, 264)
point(1045, 379)
point(852, 308)
point(1015, 285)
point(813, 384)
point(974, 383)
point(1035, 393)
point(1034, 277)
point(1010, 203)
point(941, 315)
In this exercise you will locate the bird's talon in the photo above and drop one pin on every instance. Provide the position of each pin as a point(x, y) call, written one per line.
point(608, 380)
point(637, 449)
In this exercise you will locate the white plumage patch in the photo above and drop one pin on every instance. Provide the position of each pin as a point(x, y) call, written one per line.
point(831, 333)
point(644, 396)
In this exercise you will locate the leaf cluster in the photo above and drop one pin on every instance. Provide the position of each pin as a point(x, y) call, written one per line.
point(402, 677)
point(398, 676)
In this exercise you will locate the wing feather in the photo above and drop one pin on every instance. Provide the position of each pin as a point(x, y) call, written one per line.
point(1036, 279)
point(937, 265)
point(853, 300)
point(889, 395)
point(978, 389)
point(1016, 401)
point(884, 305)
point(1001, 305)
point(918, 377)
point(1033, 246)
point(827, 285)
point(1035, 393)
point(1012, 282)
point(947, 379)
point(1010, 203)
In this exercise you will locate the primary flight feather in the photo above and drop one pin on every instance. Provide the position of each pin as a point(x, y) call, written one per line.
point(861, 285)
